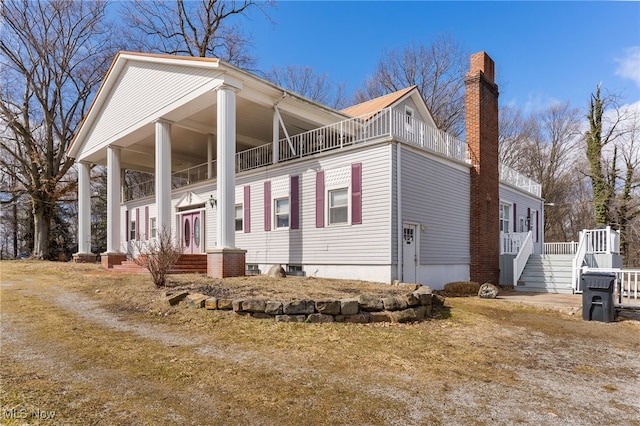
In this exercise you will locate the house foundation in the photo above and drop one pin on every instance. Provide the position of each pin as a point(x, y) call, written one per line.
point(84, 258)
point(110, 259)
point(225, 263)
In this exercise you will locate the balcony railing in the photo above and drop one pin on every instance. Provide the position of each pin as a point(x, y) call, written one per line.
point(384, 124)
point(512, 177)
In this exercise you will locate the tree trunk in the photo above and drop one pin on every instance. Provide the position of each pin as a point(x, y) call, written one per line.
point(42, 215)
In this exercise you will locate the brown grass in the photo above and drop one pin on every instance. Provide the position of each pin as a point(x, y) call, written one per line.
point(102, 348)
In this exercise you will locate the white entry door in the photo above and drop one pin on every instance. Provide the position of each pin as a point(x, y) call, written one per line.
point(409, 253)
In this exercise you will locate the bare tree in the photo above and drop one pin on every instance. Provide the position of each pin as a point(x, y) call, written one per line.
point(304, 81)
point(157, 255)
point(514, 134)
point(53, 55)
point(437, 69)
point(202, 28)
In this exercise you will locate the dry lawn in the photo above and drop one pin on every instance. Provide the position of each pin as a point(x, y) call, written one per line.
point(92, 347)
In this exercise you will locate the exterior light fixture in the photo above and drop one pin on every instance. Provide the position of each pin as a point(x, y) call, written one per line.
point(212, 201)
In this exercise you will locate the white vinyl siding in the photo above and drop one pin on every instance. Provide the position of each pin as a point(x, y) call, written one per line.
point(435, 195)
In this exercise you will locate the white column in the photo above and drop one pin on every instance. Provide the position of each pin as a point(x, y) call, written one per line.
point(84, 208)
point(226, 173)
point(163, 175)
point(113, 199)
point(276, 137)
point(210, 147)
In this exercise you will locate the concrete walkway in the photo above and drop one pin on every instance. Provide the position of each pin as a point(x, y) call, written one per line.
point(571, 303)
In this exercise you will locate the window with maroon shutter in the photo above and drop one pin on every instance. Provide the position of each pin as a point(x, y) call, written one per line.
point(126, 225)
point(137, 234)
point(146, 222)
point(515, 219)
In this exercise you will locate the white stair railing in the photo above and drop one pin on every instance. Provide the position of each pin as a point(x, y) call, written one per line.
point(578, 260)
point(520, 261)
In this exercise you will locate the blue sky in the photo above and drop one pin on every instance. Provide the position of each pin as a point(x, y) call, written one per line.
point(545, 52)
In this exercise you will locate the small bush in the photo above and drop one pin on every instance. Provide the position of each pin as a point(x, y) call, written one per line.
point(158, 256)
point(461, 288)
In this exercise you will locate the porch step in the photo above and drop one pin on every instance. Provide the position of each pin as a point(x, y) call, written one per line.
point(187, 264)
point(547, 274)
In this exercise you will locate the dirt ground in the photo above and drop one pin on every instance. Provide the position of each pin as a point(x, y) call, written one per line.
point(83, 346)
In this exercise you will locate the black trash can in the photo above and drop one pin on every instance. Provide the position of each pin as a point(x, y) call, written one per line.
point(597, 296)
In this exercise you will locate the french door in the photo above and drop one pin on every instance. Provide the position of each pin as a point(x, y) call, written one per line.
point(192, 233)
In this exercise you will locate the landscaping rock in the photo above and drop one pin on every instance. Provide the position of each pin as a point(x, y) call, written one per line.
point(382, 316)
point(298, 307)
point(329, 307)
point(253, 305)
point(273, 308)
point(237, 305)
point(225, 304)
point(488, 291)
point(349, 306)
point(361, 318)
point(211, 303)
point(370, 303)
point(394, 304)
point(196, 300)
point(424, 295)
point(411, 299)
point(290, 318)
point(406, 315)
point(319, 318)
point(175, 298)
point(277, 271)
point(421, 312)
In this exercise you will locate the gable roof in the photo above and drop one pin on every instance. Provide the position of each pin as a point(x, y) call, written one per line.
point(376, 104)
point(370, 107)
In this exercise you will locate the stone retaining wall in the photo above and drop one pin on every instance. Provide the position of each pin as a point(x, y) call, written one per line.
point(414, 306)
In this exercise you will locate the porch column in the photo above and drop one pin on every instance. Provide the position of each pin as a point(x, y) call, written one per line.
point(226, 173)
point(210, 142)
point(114, 254)
point(226, 260)
point(84, 215)
point(276, 138)
point(163, 175)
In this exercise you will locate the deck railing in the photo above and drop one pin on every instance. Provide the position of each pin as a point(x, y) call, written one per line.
point(386, 123)
point(512, 177)
point(561, 248)
point(511, 242)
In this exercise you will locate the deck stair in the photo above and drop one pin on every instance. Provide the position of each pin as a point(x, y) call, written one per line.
point(187, 264)
point(547, 273)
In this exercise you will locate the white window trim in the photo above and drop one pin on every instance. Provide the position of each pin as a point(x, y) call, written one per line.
point(509, 219)
point(235, 218)
point(153, 228)
point(327, 215)
point(275, 226)
point(132, 230)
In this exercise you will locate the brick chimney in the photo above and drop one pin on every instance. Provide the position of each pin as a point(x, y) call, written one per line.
point(481, 103)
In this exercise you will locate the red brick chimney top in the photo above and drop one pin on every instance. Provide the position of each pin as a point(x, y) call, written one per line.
point(482, 63)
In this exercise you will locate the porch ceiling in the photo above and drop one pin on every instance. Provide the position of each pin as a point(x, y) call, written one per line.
point(189, 133)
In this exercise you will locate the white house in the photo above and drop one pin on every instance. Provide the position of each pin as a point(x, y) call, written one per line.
point(247, 174)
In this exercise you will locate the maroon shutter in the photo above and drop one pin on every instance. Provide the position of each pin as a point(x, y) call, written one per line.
point(126, 225)
point(320, 199)
point(356, 193)
point(515, 219)
point(537, 227)
point(247, 209)
point(146, 222)
point(267, 206)
point(529, 219)
point(137, 224)
point(295, 202)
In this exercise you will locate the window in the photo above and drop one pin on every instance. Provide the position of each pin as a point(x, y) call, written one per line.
point(505, 214)
point(408, 116)
point(282, 212)
point(153, 227)
point(239, 217)
point(338, 206)
point(522, 224)
point(132, 230)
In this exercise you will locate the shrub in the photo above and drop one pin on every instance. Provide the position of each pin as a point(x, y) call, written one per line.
point(461, 288)
point(158, 255)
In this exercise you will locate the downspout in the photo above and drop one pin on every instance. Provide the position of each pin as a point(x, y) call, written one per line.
point(399, 208)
